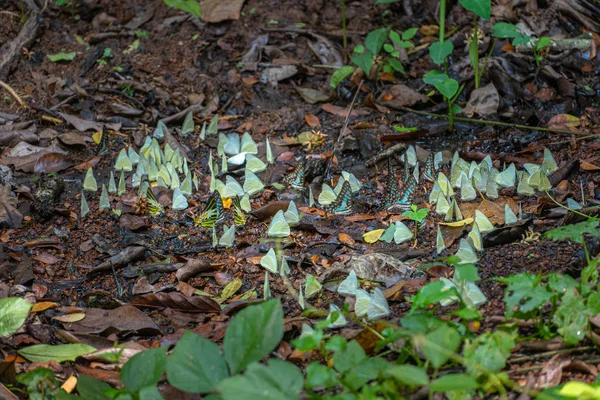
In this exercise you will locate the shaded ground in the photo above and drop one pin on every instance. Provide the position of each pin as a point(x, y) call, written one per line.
point(181, 62)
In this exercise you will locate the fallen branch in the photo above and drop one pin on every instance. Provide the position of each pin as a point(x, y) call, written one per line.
point(385, 154)
point(14, 94)
point(10, 52)
point(119, 260)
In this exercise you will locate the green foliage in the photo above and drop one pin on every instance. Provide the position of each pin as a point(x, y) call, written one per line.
point(153, 362)
point(574, 232)
point(448, 87)
point(13, 313)
point(191, 7)
point(439, 51)
point(62, 56)
point(339, 75)
point(58, 353)
point(41, 384)
point(482, 8)
point(414, 214)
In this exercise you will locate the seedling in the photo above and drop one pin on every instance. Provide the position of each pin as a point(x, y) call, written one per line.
point(417, 215)
point(505, 30)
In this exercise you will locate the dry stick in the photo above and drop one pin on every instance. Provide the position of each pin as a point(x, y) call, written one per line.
point(14, 94)
point(194, 108)
point(549, 353)
point(488, 122)
point(536, 367)
point(385, 154)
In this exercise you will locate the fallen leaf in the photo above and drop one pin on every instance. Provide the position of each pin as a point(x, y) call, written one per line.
point(124, 319)
point(587, 166)
point(178, 302)
point(214, 11)
point(43, 306)
point(83, 125)
point(564, 121)
point(483, 101)
point(346, 239)
point(52, 162)
point(312, 96)
point(312, 120)
point(342, 111)
point(69, 318)
point(399, 96)
point(47, 258)
point(373, 236)
point(10, 217)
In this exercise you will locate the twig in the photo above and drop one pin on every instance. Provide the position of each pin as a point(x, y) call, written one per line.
point(385, 154)
point(194, 108)
point(13, 93)
point(488, 122)
point(336, 34)
point(549, 353)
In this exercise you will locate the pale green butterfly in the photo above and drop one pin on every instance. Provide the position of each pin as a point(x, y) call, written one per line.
point(349, 285)
point(491, 188)
point(549, 164)
point(279, 227)
point(245, 203)
point(186, 168)
point(339, 320)
point(437, 159)
point(402, 233)
point(327, 195)
point(121, 189)
point(224, 167)
point(163, 173)
point(177, 160)
point(379, 307)
point(89, 183)
point(444, 183)
point(439, 241)
point(509, 215)
point(215, 241)
point(535, 179)
point(255, 164)
point(301, 301)
point(442, 206)
point(487, 160)
point(157, 153)
point(146, 148)
point(507, 177)
point(473, 169)
point(362, 304)
point(135, 180)
point(269, 262)
point(484, 224)
point(175, 183)
point(161, 182)
point(112, 186)
point(179, 200)
point(544, 184)
point(524, 188)
point(141, 168)
point(231, 144)
point(232, 188)
point(410, 156)
point(481, 182)
point(311, 198)
point(133, 156)
point(203, 131)
point(454, 213)
point(238, 159)
point(416, 173)
point(469, 292)
point(312, 286)
point(388, 235)
point(355, 184)
point(195, 181)
point(465, 253)
point(188, 125)
point(284, 268)
point(159, 132)
point(573, 205)
point(85, 209)
point(168, 153)
point(186, 186)
point(291, 215)
point(467, 191)
point(532, 168)
point(152, 171)
point(448, 285)
point(252, 183)
point(475, 238)
point(267, 287)
point(307, 331)
point(228, 236)
point(435, 192)
point(213, 127)
point(270, 158)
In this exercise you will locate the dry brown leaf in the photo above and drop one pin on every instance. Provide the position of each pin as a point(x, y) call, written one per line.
point(346, 239)
point(587, 166)
point(312, 120)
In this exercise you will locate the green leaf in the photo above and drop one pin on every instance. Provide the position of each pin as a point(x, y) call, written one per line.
point(440, 344)
point(431, 293)
point(278, 380)
point(466, 272)
point(396, 65)
point(252, 334)
point(375, 40)
point(395, 37)
point(524, 295)
point(453, 383)
point(58, 353)
point(196, 365)
point(409, 33)
point(336, 343)
point(92, 389)
point(434, 77)
point(151, 393)
point(33, 379)
point(440, 50)
point(482, 8)
point(504, 30)
point(389, 48)
point(364, 372)
point(543, 42)
point(448, 88)
point(353, 355)
point(191, 7)
point(489, 351)
point(318, 375)
point(13, 313)
point(409, 375)
point(62, 56)
point(521, 39)
point(574, 232)
point(560, 282)
point(364, 61)
point(144, 369)
point(359, 49)
point(571, 317)
point(339, 75)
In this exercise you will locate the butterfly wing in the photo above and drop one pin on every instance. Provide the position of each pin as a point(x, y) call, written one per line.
point(103, 144)
point(343, 203)
point(429, 170)
point(238, 213)
point(213, 212)
point(296, 178)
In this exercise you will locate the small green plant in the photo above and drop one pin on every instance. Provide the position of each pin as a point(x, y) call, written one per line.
point(448, 87)
point(191, 7)
point(505, 30)
point(369, 55)
point(61, 3)
point(417, 215)
point(127, 89)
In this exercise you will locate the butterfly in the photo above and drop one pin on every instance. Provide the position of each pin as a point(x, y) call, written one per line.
point(154, 207)
point(188, 125)
point(89, 183)
point(238, 213)
point(312, 286)
point(179, 200)
point(103, 144)
point(279, 227)
point(228, 237)
point(269, 262)
point(349, 285)
point(213, 212)
point(378, 307)
point(402, 233)
point(405, 199)
point(296, 178)
point(123, 162)
point(429, 170)
point(392, 191)
point(343, 203)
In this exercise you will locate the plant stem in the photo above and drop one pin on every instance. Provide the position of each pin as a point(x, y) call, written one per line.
point(345, 39)
point(442, 19)
point(499, 123)
point(475, 51)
